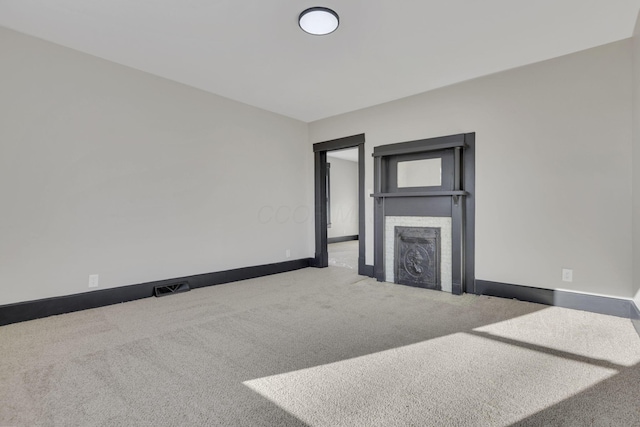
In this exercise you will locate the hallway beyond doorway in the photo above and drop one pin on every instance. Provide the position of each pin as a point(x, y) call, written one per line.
point(344, 254)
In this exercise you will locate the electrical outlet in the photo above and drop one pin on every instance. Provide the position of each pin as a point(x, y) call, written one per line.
point(93, 281)
point(287, 253)
point(567, 275)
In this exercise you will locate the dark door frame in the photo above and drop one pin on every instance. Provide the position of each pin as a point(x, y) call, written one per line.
point(320, 150)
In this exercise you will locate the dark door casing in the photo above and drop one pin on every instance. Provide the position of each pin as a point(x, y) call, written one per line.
point(320, 149)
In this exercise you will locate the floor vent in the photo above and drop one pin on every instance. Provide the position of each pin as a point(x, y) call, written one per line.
point(174, 288)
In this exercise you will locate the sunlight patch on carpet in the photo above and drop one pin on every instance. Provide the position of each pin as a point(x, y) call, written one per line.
point(460, 379)
point(591, 335)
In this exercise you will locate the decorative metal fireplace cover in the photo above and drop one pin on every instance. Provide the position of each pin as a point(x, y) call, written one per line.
point(417, 257)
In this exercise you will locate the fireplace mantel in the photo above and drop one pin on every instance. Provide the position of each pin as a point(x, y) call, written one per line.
point(420, 194)
point(451, 196)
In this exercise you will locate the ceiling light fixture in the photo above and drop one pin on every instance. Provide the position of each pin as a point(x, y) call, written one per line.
point(318, 21)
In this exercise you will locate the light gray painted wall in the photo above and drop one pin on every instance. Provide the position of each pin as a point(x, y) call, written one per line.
point(111, 171)
point(636, 162)
point(553, 165)
point(344, 198)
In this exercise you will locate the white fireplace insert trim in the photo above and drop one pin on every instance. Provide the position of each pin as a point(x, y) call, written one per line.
point(444, 223)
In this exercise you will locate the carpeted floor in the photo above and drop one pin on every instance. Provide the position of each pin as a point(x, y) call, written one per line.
point(344, 254)
point(320, 347)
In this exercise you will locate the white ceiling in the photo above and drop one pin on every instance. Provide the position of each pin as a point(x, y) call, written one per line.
point(253, 51)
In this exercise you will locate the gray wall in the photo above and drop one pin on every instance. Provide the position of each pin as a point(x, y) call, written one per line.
point(553, 165)
point(344, 198)
point(107, 170)
point(636, 162)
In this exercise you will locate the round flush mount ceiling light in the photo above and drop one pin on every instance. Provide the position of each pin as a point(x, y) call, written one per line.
point(318, 21)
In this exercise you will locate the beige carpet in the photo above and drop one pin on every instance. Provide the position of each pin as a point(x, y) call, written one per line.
point(320, 347)
point(344, 254)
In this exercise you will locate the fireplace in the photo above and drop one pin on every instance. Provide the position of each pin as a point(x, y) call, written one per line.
point(425, 183)
point(433, 243)
point(417, 257)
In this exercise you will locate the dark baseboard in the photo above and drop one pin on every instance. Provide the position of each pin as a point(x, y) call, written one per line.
point(635, 316)
point(341, 239)
point(29, 310)
point(594, 303)
point(522, 293)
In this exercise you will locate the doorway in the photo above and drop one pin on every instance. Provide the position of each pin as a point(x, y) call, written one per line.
point(322, 183)
point(342, 208)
